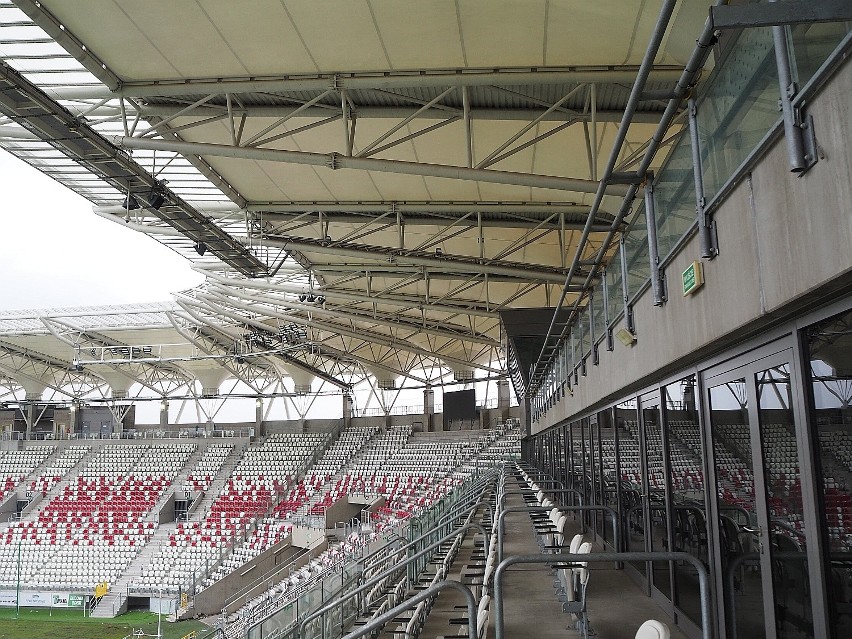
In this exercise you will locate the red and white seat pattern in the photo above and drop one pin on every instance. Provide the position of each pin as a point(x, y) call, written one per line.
point(57, 468)
point(94, 527)
point(15, 465)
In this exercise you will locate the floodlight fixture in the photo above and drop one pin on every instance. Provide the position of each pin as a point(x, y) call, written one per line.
point(130, 203)
point(200, 248)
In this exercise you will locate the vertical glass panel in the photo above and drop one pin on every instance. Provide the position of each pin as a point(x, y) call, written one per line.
point(812, 44)
point(658, 531)
point(793, 616)
point(627, 427)
point(598, 310)
point(597, 490)
point(685, 452)
point(674, 193)
point(586, 462)
point(636, 248)
point(742, 582)
point(608, 471)
point(740, 106)
point(583, 323)
point(613, 287)
point(829, 348)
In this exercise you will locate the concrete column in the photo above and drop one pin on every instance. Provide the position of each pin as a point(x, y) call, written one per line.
point(347, 410)
point(30, 417)
point(164, 413)
point(258, 417)
point(526, 416)
point(502, 394)
point(428, 408)
point(74, 427)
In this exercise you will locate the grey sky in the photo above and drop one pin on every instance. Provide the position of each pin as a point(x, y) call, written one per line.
point(55, 252)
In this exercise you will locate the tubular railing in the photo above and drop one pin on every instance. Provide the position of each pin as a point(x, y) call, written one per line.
point(703, 577)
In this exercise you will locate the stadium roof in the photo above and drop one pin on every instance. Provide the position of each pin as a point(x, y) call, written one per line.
point(365, 185)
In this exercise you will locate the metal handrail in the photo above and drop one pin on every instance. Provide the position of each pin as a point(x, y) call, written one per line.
point(703, 576)
point(549, 492)
point(501, 523)
point(372, 582)
point(380, 621)
point(474, 491)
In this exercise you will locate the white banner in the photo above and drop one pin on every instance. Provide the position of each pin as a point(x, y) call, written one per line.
point(42, 599)
point(36, 599)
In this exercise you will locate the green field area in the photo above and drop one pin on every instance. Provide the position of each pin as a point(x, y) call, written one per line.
point(39, 623)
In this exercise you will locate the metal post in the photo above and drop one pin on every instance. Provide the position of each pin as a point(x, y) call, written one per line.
point(625, 293)
point(468, 133)
point(705, 238)
point(18, 587)
point(792, 130)
point(657, 283)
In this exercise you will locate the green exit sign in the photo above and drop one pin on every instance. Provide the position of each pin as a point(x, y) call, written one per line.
point(693, 278)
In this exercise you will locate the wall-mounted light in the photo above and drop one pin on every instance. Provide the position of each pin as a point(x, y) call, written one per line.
point(626, 337)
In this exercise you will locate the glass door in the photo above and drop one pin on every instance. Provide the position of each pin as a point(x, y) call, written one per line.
point(761, 539)
point(655, 500)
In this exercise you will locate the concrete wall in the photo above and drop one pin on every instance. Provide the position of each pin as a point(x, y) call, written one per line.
point(341, 511)
point(784, 244)
point(251, 578)
point(167, 511)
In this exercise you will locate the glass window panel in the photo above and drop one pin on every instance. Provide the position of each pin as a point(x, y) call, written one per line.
point(585, 333)
point(629, 470)
point(829, 346)
point(656, 476)
point(674, 196)
point(685, 450)
point(788, 541)
point(609, 471)
point(636, 248)
point(598, 310)
point(736, 499)
point(740, 106)
point(812, 44)
point(613, 286)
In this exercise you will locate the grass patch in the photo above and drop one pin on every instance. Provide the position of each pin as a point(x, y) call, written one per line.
point(39, 623)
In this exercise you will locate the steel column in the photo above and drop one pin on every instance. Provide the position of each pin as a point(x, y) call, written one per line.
point(657, 283)
point(705, 237)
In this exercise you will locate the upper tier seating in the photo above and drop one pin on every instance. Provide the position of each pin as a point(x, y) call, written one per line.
point(15, 465)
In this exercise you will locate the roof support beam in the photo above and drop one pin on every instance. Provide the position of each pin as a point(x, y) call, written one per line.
point(33, 109)
point(348, 314)
point(336, 161)
point(454, 264)
point(780, 13)
point(393, 80)
point(211, 306)
point(505, 215)
point(353, 296)
point(379, 113)
point(285, 357)
point(382, 340)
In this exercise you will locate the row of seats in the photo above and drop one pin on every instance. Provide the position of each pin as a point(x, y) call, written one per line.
point(571, 580)
point(96, 524)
